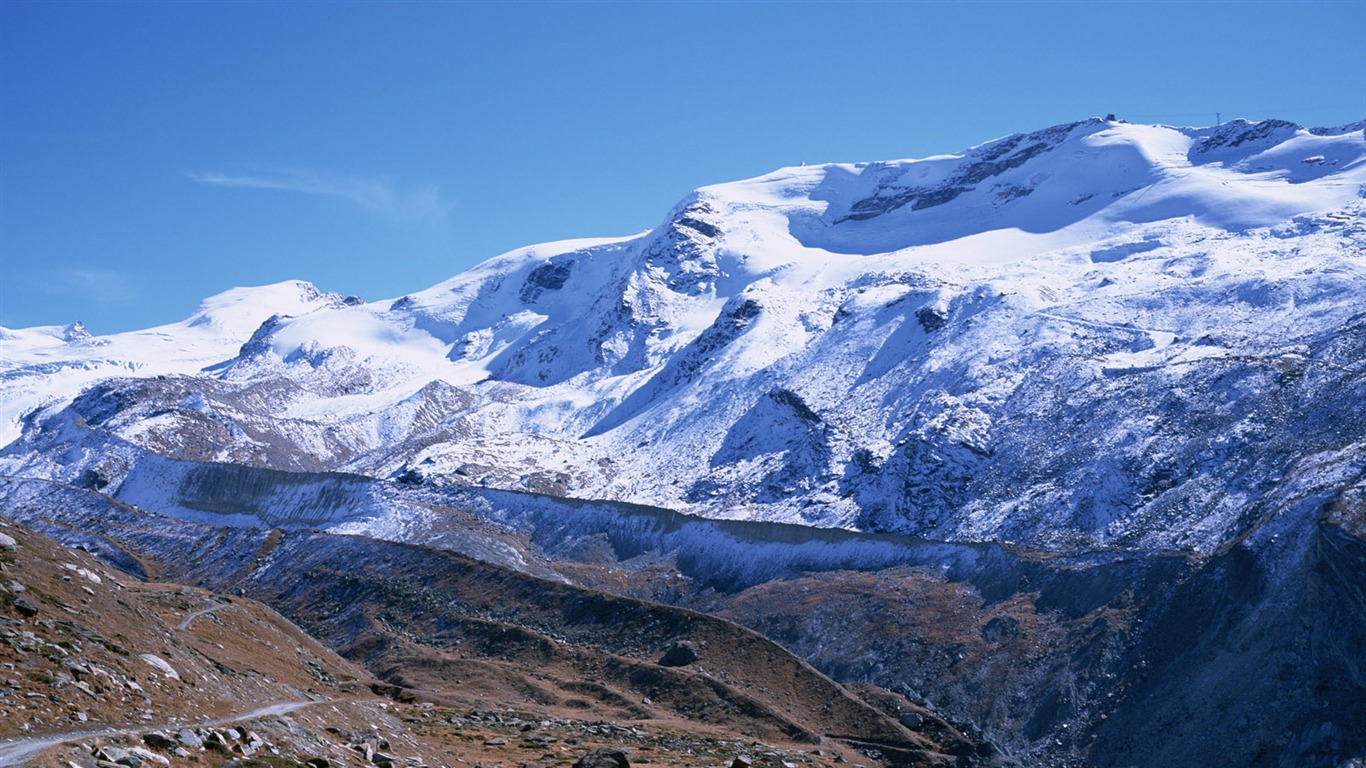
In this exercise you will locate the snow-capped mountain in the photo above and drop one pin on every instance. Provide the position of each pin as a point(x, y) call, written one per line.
point(1050, 359)
point(1099, 334)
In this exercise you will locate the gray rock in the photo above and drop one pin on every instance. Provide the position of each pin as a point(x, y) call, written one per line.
point(112, 754)
point(603, 757)
point(159, 741)
point(680, 654)
point(160, 665)
point(189, 738)
point(146, 756)
point(1001, 628)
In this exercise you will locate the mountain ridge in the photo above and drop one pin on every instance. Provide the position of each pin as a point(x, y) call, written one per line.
point(713, 364)
point(1054, 432)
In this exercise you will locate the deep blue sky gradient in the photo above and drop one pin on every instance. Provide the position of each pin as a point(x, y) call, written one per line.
point(152, 154)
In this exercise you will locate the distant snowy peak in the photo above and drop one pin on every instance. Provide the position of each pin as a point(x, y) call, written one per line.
point(48, 366)
point(238, 312)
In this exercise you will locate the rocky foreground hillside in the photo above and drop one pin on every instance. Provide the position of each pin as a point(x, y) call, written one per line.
point(473, 660)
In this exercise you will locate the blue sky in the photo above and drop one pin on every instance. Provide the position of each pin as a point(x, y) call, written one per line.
point(152, 154)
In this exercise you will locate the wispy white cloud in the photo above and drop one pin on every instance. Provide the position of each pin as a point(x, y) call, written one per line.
point(95, 285)
point(375, 195)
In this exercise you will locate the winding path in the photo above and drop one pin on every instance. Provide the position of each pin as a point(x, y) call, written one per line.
point(185, 622)
point(16, 751)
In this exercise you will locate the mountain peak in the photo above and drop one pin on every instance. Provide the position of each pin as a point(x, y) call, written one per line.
point(238, 311)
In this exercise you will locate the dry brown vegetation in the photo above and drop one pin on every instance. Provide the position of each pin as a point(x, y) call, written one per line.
point(87, 648)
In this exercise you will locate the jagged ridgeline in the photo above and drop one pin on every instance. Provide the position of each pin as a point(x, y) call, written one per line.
point(1080, 407)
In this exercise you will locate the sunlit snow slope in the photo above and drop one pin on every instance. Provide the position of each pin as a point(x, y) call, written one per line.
point(1099, 334)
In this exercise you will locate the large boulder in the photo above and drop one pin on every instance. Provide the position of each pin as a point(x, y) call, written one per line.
point(680, 654)
point(603, 757)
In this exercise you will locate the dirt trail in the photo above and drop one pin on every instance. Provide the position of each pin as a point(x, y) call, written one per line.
point(16, 751)
point(185, 623)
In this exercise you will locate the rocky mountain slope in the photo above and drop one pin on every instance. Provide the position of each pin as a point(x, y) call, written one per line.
point(1045, 651)
point(101, 665)
point(97, 646)
point(1069, 420)
point(444, 629)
